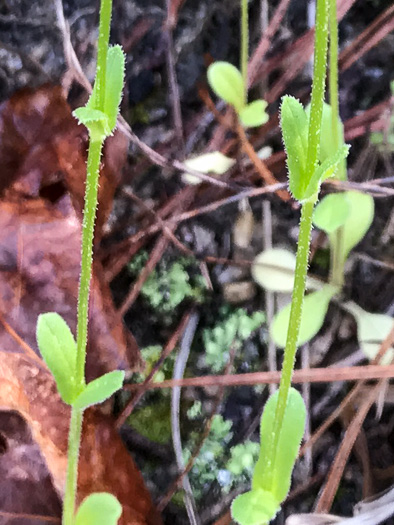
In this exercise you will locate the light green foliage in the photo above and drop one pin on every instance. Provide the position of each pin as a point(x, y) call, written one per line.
point(213, 162)
point(99, 390)
point(253, 115)
point(59, 351)
point(233, 330)
point(372, 330)
point(100, 508)
point(169, 284)
point(243, 458)
point(295, 125)
point(272, 475)
point(208, 466)
point(153, 421)
point(101, 121)
point(227, 82)
point(328, 147)
point(151, 354)
point(313, 313)
point(331, 212)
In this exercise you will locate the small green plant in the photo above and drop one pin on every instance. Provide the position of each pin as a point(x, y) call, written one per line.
point(231, 84)
point(345, 217)
point(283, 420)
point(64, 356)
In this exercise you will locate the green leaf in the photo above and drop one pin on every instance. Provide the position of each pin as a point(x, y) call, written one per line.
point(325, 170)
point(358, 221)
point(275, 477)
point(100, 508)
point(114, 84)
point(99, 390)
point(294, 124)
point(331, 212)
point(226, 81)
point(327, 145)
point(372, 330)
point(95, 121)
point(313, 313)
point(255, 507)
point(253, 114)
point(213, 162)
point(274, 270)
point(59, 351)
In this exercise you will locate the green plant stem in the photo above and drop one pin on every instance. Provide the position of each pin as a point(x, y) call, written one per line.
point(74, 438)
point(102, 50)
point(333, 75)
point(89, 217)
point(319, 72)
point(244, 46)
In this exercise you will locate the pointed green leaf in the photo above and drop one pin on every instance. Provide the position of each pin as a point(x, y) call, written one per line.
point(331, 212)
point(95, 121)
point(100, 508)
point(327, 144)
point(226, 81)
point(276, 477)
point(99, 390)
point(114, 84)
point(59, 351)
point(358, 221)
point(372, 330)
point(327, 169)
point(313, 313)
point(294, 124)
point(255, 507)
point(253, 114)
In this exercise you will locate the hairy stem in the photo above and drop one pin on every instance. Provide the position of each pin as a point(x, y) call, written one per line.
point(333, 75)
point(320, 63)
point(74, 438)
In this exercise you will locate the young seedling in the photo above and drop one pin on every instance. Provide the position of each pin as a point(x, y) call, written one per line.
point(231, 84)
point(282, 423)
point(64, 356)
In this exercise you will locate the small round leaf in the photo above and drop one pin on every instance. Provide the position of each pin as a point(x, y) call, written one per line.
point(274, 270)
point(253, 114)
point(226, 81)
point(331, 212)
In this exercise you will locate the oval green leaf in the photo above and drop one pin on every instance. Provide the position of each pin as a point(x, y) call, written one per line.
point(253, 114)
point(100, 508)
point(294, 124)
point(59, 351)
point(360, 217)
point(372, 330)
point(226, 81)
point(331, 212)
point(313, 313)
point(274, 270)
point(99, 390)
point(255, 507)
point(275, 477)
point(114, 84)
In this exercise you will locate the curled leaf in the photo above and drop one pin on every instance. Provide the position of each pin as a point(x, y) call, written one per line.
point(226, 81)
